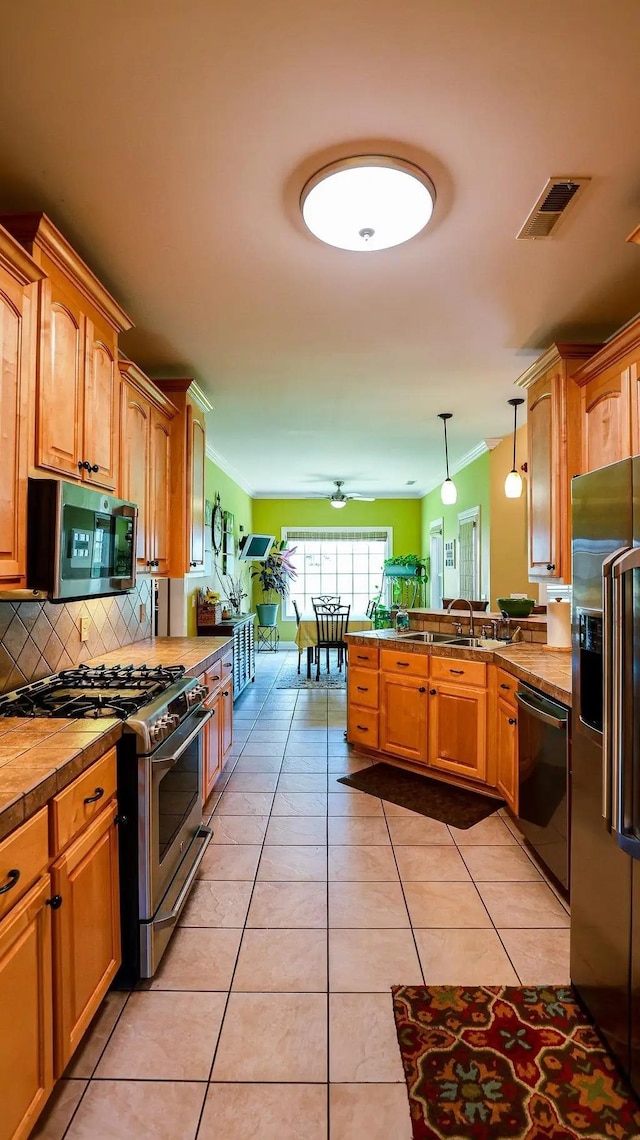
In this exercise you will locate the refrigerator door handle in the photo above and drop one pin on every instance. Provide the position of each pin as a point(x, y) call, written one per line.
point(608, 651)
point(623, 565)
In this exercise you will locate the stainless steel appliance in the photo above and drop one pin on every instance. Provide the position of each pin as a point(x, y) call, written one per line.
point(605, 811)
point(81, 543)
point(160, 781)
point(543, 759)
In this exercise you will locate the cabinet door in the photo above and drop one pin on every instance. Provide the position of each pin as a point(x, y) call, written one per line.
point(607, 418)
point(212, 743)
point(26, 1032)
point(458, 730)
point(543, 425)
point(226, 719)
point(86, 932)
point(403, 716)
point(100, 444)
point(60, 380)
point(134, 475)
point(15, 353)
point(196, 462)
point(507, 753)
point(159, 485)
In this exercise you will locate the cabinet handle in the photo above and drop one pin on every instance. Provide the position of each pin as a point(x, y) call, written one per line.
point(503, 686)
point(512, 720)
point(422, 689)
point(226, 693)
point(97, 795)
point(362, 688)
point(362, 728)
point(403, 664)
point(361, 657)
point(13, 877)
point(551, 565)
point(55, 902)
point(460, 671)
point(433, 692)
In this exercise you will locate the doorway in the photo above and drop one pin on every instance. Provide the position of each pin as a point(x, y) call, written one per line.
point(436, 559)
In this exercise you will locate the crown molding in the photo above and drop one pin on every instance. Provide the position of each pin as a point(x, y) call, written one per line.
point(310, 495)
point(225, 466)
point(480, 448)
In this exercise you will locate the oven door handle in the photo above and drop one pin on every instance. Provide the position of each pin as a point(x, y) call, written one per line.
point(169, 919)
point(163, 763)
point(540, 714)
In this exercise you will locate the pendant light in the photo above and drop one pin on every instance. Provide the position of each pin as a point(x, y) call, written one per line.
point(448, 490)
point(513, 481)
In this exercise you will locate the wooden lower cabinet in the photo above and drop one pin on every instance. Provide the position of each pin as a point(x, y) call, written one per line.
point(26, 1037)
point(403, 716)
point(226, 717)
point(458, 730)
point(506, 745)
point(86, 930)
point(212, 761)
point(218, 735)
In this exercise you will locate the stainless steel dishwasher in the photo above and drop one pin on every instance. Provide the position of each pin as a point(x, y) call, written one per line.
point(543, 759)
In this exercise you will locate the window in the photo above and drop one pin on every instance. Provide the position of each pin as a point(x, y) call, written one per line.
point(469, 553)
point(337, 560)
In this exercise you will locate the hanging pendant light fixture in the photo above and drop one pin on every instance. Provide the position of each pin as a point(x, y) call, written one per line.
point(448, 490)
point(513, 481)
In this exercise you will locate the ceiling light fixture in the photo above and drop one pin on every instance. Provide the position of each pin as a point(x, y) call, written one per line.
point(367, 202)
point(448, 490)
point(513, 481)
point(338, 503)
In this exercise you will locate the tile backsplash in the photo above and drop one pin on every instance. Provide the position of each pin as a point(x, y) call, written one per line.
point(40, 638)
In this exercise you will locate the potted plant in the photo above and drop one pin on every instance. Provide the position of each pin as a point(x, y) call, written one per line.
point(405, 566)
point(274, 575)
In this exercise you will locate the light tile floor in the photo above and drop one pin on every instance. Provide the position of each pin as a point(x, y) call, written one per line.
point(271, 1014)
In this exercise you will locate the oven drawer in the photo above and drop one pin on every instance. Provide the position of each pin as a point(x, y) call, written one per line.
point(78, 804)
point(23, 857)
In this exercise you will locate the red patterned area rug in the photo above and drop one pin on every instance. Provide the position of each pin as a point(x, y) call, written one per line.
point(508, 1063)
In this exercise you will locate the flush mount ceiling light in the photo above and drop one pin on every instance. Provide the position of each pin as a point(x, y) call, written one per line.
point(448, 490)
point(513, 481)
point(368, 202)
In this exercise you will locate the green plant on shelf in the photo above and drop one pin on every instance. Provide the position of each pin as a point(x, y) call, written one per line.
point(406, 561)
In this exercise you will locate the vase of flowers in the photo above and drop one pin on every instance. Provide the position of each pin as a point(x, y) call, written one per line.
point(274, 574)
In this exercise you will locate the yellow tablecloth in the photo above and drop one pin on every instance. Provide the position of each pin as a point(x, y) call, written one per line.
point(306, 633)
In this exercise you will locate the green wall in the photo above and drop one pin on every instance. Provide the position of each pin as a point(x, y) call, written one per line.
point(270, 515)
point(474, 489)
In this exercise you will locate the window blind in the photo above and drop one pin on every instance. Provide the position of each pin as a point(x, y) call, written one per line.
point(340, 534)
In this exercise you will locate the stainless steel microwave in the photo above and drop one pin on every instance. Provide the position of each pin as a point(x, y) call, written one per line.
point(81, 543)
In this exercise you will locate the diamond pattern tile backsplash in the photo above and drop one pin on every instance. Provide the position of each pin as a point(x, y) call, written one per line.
point(40, 638)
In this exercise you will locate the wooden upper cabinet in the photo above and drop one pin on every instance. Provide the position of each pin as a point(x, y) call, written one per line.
point(554, 456)
point(76, 405)
point(610, 400)
point(188, 442)
point(18, 277)
point(145, 467)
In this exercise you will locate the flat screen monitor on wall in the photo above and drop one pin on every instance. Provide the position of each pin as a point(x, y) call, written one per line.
point(255, 547)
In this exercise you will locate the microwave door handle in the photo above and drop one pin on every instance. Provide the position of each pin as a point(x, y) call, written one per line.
point(163, 763)
point(624, 565)
point(608, 717)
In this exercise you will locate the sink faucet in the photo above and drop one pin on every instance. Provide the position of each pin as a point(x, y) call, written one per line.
point(469, 604)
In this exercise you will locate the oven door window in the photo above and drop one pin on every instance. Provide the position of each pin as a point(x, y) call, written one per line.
point(178, 790)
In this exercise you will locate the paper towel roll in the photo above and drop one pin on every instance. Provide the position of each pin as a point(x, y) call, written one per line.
point(559, 625)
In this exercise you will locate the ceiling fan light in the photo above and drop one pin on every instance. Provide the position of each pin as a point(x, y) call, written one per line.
point(367, 202)
point(513, 485)
point(338, 503)
point(448, 492)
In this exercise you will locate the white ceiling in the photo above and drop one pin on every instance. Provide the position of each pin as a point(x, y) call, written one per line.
point(170, 139)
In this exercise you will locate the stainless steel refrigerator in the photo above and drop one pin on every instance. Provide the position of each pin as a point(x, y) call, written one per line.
point(605, 793)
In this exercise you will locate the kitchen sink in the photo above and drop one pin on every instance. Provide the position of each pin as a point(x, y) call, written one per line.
point(429, 637)
point(476, 642)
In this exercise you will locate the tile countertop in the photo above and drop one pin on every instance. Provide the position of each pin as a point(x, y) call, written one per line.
point(40, 756)
point(548, 670)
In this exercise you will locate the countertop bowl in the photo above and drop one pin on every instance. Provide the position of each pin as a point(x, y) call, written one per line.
point(516, 607)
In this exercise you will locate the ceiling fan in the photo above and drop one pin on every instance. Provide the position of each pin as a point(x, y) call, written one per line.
point(338, 499)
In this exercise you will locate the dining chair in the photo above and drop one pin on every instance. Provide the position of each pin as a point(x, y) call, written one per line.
point(371, 608)
point(325, 600)
point(332, 622)
point(297, 613)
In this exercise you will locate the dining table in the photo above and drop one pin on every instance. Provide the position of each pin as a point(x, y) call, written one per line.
point(307, 632)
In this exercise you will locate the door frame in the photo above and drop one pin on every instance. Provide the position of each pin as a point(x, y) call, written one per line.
point(436, 576)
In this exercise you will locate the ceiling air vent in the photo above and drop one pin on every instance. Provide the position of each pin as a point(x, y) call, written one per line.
point(551, 205)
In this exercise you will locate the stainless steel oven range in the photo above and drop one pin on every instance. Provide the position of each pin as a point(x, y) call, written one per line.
point(160, 781)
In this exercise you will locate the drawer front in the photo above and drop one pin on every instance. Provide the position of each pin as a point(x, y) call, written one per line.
point(362, 726)
point(363, 656)
point(82, 801)
point(23, 857)
point(363, 687)
point(411, 664)
point(454, 670)
point(507, 685)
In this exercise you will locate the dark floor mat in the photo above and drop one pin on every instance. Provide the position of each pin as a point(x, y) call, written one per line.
point(444, 802)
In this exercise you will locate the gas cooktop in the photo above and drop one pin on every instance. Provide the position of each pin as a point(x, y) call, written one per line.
point(92, 692)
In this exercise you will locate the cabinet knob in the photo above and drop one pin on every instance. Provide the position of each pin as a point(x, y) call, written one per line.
point(551, 565)
point(192, 564)
point(55, 902)
point(512, 720)
point(93, 467)
point(422, 689)
point(84, 465)
point(433, 692)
